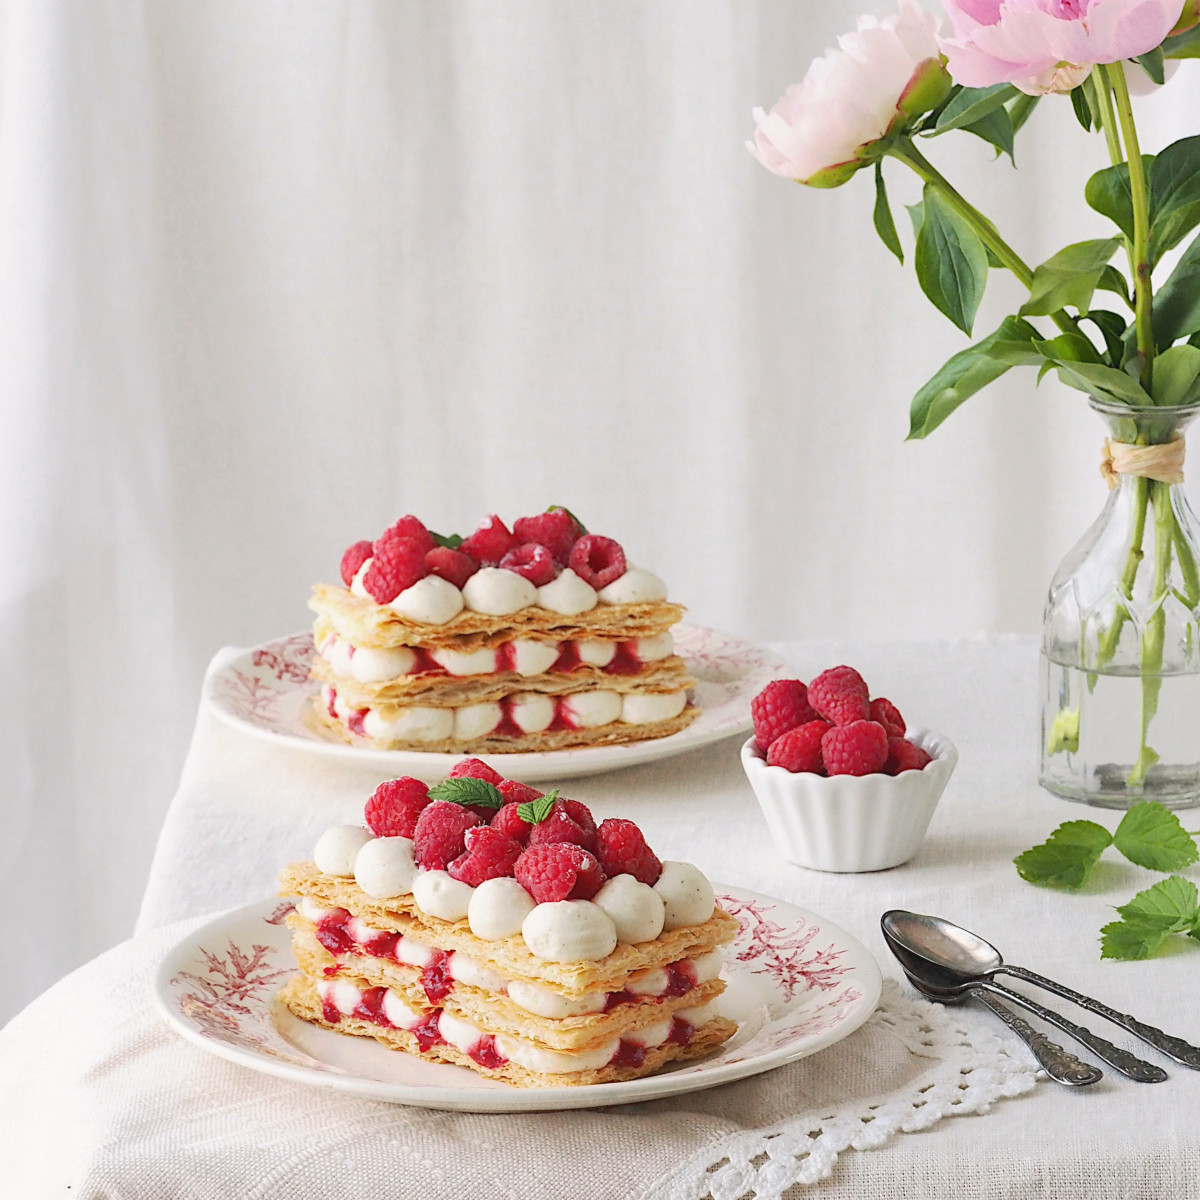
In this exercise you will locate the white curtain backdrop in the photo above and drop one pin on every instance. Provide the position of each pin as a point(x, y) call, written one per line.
point(272, 273)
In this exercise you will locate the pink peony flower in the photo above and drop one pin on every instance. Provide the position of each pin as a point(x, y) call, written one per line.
point(888, 70)
point(1049, 45)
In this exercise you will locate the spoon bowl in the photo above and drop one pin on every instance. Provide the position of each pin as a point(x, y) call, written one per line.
point(948, 947)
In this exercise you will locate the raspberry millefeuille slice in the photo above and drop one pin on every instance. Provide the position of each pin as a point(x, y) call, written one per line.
point(484, 924)
point(536, 638)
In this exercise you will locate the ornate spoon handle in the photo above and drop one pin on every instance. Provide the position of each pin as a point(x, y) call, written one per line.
point(1055, 1061)
point(1173, 1047)
point(1128, 1064)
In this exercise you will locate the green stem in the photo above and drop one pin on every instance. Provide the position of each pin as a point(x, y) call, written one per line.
point(1140, 195)
point(1108, 122)
point(1133, 560)
point(907, 153)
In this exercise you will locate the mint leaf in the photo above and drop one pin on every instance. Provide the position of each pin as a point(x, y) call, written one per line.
point(536, 811)
point(468, 791)
point(1128, 941)
point(564, 508)
point(1151, 836)
point(1172, 901)
point(451, 541)
point(1066, 857)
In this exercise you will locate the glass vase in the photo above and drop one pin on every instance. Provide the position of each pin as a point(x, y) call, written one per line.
point(1120, 664)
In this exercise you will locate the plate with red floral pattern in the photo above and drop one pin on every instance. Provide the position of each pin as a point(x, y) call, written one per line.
point(266, 691)
point(796, 985)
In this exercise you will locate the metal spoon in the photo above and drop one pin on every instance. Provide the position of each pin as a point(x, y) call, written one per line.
point(1060, 1065)
point(969, 956)
point(939, 979)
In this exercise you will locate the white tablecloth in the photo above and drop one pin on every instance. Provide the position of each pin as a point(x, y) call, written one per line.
point(245, 806)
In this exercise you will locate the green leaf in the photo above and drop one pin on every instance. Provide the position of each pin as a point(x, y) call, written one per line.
point(969, 371)
point(1021, 110)
point(1183, 45)
point(1151, 836)
point(1112, 326)
point(994, 127)
point(1111, 280)
point(1128, 941)
point(1068, 347)
point(885, 226)
point(1174, 182)
point(1082, 107)
point(451, 541)
point(951, 261)
point(468, 791)
point(1067, 856)
point(1098, 379)
point(1174, 902)
point(1176, 371)
point(1069, 277)
point(968, 105)
point(1108, 193)
point(1177, 302)
point(564, 508)
point(1152, 63)
point(536, 811)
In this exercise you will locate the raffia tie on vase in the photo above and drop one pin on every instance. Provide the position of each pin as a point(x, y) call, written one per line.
point(1162, 462)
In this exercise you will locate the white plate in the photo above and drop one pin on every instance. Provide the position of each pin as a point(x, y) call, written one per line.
point(265, 692)
point(797, 984)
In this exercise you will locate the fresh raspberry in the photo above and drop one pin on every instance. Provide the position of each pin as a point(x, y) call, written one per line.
point(561, 826)
point(353, 559)
point(556, 529)
point(840, 695)
point(398, 563)
point(800, 749)
point(490, 542)
point(394, 807)
point(517, 793)
point(860, 748)
point(509, 822)
point(531, 561)
point(597, 560)
point(904, 755)
point(622, 850)
point(780, 706)
point(409, 527)
point(475, 768)
point(888, 715)
point(450, 565)
point(438, 836)
point(489, 854)
point(580, 814)
point(559, 871)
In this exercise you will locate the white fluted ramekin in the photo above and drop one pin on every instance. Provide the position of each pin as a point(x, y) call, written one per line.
point(851, 822)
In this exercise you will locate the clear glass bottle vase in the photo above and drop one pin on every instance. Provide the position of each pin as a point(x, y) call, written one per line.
point(1120, 703)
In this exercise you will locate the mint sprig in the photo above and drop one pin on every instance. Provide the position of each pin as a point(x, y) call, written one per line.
point(534, 812)
point(1148, 835)
point(451, 541)
point(468, 791)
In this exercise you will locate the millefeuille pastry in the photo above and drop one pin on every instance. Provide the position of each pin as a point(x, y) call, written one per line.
point(538, 638)
point(483, 924)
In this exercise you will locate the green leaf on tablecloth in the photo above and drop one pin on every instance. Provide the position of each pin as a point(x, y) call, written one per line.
point(1171, 906)
point(534, 812)
point(1066, 858)
point(1151, 836)
point(468, 791)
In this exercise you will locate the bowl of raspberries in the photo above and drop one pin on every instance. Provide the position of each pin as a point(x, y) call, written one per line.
point(844, 784)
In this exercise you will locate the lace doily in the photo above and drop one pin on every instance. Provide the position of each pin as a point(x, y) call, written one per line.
point(969, 1070)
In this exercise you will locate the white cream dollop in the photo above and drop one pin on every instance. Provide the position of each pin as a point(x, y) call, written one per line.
point(533, 658)
point(589, 709)
point(531, 711)
point(635, 908)
point(569, 931)
point(686, 892)
point(374, 666)
point(568, 595)
point(417, 724)
point(439, 894)
point(497, 593)
point(652, 649)
point(556, 1062)
point(432, 601)
point(337, 848)
point(473, 721)
point(596, 652)
point(644, 708)
point(385, 867)
point(465, 662)
point(356, 584)
point(545, 1002)
point(498, 909)
point(636, 586)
